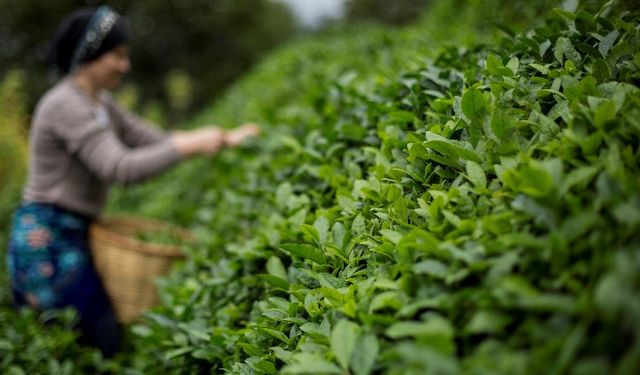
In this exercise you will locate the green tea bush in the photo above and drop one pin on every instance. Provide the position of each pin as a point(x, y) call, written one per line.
point(32, 343)
point(475, 212)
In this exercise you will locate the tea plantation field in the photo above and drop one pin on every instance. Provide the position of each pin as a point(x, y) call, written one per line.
point(468, 208)
point(440, 199)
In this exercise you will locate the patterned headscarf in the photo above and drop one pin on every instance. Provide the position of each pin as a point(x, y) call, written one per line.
point(84, 36)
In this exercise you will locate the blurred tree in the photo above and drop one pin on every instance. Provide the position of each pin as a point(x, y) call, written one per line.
point(394, 12)
point(502, 12)
point(26, 27)
point(13, 149)
point(211, 41)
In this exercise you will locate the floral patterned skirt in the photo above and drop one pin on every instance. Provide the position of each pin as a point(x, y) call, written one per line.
point(50, 266)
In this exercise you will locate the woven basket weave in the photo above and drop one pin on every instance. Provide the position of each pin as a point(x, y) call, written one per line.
point(128, 266)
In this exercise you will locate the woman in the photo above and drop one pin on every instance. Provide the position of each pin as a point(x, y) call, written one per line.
point(81, 142)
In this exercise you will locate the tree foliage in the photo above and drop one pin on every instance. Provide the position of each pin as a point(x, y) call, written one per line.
point(211, 41)
point(389, 12)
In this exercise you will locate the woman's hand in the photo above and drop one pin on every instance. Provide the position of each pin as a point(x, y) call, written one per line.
point(207, 140)
point(237, 136)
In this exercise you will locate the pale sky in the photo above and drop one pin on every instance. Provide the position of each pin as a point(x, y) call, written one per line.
point(312, 12)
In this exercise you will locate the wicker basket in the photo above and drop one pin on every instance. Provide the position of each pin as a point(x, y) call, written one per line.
point(128, 266)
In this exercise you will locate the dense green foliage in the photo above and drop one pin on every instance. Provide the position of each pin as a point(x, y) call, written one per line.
point(412, 207)
point(45, 344)
point(476, 213)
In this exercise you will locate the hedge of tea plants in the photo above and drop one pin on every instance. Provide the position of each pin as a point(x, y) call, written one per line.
point(432, 199)
point(474, 211)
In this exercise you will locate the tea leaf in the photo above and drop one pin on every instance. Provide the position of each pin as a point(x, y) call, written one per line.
point(475, 174)
point(365, 354)
point(343, 341)
point(276, 268)
point(473, 104)
point(305, 251)
point(607, 42)
point(310, 363)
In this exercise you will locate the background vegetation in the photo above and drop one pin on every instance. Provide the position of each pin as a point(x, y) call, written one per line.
point(205, 43)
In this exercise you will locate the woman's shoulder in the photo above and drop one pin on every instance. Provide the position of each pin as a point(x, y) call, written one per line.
point(62, 100)
point(61, 108)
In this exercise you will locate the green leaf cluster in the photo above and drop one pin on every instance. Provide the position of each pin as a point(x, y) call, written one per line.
point(477, 212)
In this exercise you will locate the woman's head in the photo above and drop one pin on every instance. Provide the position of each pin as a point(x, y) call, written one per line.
point(88, 36)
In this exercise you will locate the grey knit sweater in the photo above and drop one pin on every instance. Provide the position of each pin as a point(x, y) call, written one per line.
point(77, 150)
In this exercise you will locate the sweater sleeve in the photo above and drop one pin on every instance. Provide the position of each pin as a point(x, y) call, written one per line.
point(98, 147)
point(134, 130)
